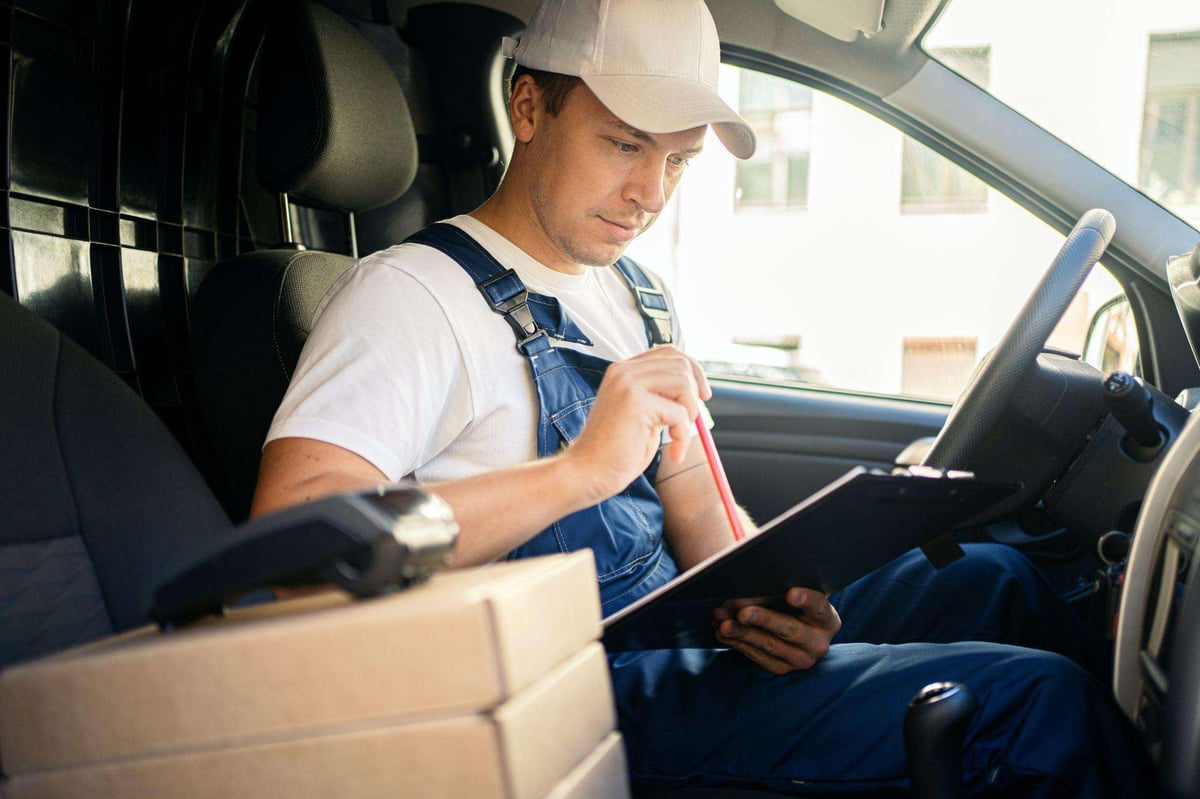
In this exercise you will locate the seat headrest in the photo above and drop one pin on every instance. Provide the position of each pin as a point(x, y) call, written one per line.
point(333, 125)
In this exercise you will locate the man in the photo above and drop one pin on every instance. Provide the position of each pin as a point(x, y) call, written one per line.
point(411, 371)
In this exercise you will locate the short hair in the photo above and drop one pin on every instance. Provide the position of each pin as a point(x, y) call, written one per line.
point(554, 86)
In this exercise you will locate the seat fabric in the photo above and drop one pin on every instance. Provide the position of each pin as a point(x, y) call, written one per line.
point(251, 318)
point(100, 502)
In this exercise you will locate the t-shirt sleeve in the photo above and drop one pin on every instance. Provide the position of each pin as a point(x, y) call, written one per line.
point(381, 374)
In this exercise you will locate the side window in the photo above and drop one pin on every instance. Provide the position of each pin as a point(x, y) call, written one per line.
point(807, 265)
point(779, 111)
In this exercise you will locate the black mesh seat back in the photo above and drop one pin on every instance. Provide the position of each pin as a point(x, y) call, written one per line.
point(250, 319)
point(98, 501)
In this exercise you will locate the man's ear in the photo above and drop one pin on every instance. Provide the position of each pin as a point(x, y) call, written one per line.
point(525, 109)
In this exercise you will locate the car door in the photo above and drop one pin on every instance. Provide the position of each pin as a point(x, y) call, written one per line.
point(841, 285)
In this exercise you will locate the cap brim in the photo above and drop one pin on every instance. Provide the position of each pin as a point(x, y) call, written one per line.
point(659, 104)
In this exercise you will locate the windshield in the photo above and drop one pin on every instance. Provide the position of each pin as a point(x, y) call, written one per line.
point(1117, 80)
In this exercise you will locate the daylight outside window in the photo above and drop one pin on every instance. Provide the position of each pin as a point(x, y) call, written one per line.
point(889, 269)
point(1123, 88)
point(780, 112)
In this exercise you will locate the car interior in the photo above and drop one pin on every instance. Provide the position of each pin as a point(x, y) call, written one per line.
point(185, 181)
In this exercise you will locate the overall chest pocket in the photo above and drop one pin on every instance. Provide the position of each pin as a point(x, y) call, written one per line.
point(624, 531)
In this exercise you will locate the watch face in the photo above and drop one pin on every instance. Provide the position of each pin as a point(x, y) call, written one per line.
point(418, 519)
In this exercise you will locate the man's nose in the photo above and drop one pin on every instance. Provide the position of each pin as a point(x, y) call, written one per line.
point(647, 185)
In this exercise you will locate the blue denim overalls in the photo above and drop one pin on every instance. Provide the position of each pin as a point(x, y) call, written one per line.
point(625, 531)
point(708, 716)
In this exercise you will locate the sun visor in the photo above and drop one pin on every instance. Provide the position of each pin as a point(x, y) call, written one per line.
point(844, 20)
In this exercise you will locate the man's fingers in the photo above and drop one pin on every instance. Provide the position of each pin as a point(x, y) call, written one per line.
point(673, 416)
point(702, 386)
point(768, 651)
point(780, 641)
point(773, 665)
point(639, 398)
point(677, 450)
point(674, 380)
point(784, 636)
point(669, 379)
point(815, 608)
point(671, 357)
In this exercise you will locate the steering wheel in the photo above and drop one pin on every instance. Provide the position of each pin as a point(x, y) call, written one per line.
point(978, 408)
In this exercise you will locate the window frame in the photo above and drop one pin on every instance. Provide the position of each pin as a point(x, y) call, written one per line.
point(1022, 195)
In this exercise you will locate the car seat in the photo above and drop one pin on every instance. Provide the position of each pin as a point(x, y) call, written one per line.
point(334, 131)
point(100, 502)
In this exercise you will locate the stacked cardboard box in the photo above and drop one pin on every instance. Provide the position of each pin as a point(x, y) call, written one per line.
point(482, 682)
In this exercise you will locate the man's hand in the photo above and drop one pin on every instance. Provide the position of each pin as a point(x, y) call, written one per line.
point(780, 641)
point(638, 397)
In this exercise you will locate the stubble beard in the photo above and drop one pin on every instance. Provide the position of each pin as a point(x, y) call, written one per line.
point(578, 251)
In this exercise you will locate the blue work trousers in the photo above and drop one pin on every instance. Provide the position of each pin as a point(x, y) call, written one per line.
point(1045, 726)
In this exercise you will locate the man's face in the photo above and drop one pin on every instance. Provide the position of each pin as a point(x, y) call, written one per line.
point(597, 183)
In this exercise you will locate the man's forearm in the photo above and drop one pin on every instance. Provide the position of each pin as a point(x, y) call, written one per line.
point(496, 512)
point(500, 510)
point(696, 525)
point(706, 534)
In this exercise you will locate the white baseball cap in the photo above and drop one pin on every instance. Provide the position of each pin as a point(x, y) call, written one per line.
point(653, 63)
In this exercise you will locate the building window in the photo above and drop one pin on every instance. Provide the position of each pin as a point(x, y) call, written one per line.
point(930, 183)
point(936, 367)
point(780, 112)
point(1169, 164)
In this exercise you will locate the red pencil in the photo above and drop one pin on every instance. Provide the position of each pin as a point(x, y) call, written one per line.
point(718, 473)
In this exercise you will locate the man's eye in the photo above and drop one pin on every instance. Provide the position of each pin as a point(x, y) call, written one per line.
point(678, 161)
point(625, 146)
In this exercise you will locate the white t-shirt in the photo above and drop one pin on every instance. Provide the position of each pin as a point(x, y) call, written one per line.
point(409, 367)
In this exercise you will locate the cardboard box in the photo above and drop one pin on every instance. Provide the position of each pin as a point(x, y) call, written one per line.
point(603, 775)
point(559, 730)
point(464, 642)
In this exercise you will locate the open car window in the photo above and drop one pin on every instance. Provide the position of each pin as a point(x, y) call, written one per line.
point(846, 255)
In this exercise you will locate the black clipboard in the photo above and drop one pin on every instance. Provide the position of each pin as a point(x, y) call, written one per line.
point(856, 524)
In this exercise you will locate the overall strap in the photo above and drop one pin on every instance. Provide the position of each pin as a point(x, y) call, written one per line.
point(502, 289)
point(651, 303)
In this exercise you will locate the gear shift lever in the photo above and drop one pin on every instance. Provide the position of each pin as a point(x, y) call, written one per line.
point(934, 727)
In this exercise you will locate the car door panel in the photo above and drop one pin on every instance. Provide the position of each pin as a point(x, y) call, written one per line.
point(780, 444)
